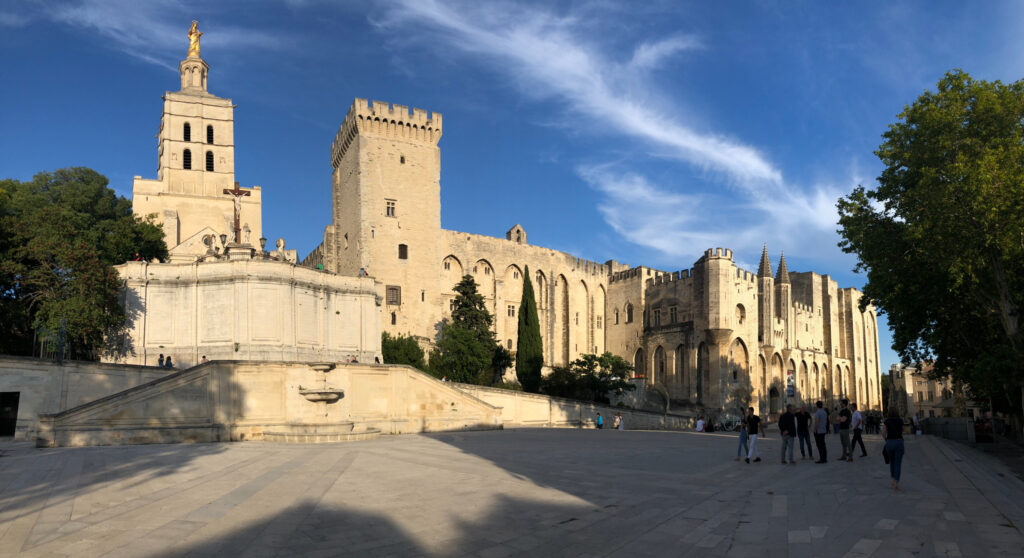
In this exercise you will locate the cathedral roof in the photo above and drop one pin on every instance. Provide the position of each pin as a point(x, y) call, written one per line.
point(765, 270)
point(783, 276)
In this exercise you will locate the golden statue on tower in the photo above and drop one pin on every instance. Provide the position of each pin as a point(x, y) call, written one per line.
point(193, 40)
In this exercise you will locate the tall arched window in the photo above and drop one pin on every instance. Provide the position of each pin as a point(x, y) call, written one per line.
point(209, 134)
point(209, 160)
point(186, 133)
point(186, 157)
point(629, 313)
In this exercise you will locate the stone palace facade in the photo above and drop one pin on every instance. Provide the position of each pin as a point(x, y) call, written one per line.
point(703, 335)
point(706, 335)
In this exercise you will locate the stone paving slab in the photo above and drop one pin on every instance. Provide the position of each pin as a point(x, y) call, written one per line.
point(503, 493)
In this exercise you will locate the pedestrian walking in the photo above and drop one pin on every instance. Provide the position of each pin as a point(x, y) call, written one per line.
point(844, 431)
point(753, 427)
point(700, 424)
point(892, 433)
point(600, 421)
point(803, 432)
point(744, 446)
point(917, 426)
point(615, 421)
point(787, 429)
point(857, 425)
point(820, 430)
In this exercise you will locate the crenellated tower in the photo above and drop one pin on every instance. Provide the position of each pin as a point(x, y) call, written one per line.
point(718, 309)
point(386, 189)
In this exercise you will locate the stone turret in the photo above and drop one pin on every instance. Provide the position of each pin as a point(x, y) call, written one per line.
point(784, 299)
point(765, 299)
point(783, 275)
point(765, 269)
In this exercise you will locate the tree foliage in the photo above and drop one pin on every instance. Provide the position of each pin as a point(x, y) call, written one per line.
point(60, 235)
point(466, 347)
point(529, 345)
point(402, 349)
point(942, 235)
point(589, 378)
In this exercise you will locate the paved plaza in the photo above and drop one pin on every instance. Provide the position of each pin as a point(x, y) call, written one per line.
point(503, 493)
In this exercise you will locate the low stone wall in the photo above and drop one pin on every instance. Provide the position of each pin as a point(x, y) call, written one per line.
point(244, 400)
point(960, 429)
point(529, 410)
point(46, 386)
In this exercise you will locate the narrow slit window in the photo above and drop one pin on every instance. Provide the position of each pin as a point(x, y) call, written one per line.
point(186, 133)
point(403, 252)
point(209, 134)
point(186, 158)
point(209, 161)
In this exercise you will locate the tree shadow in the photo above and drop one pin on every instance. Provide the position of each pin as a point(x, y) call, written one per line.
point(35, 477)
point(309, 529)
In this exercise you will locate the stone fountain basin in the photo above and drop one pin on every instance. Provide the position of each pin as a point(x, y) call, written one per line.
point(319, 433)
point(325, 395)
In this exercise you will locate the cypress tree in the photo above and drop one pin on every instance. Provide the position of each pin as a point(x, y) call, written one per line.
point(466, 345)
point(529, 347)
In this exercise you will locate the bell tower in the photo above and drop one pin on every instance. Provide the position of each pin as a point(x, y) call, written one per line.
point(196, 165)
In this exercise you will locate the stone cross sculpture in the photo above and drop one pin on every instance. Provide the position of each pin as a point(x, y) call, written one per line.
point(237, 193)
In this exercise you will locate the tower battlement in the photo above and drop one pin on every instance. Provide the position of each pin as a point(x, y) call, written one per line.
point(382, 119)
point(718, 253)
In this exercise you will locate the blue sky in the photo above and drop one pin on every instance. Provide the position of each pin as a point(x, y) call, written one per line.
point(642, 133)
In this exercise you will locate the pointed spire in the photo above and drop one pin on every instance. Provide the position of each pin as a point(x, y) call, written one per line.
point(783, 276)
point(766, 266)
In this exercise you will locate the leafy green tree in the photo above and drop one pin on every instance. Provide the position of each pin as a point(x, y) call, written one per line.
point(465, 349)
point(402, 349)
point(60, 235)
point(590, 378)
point(942, 235)
point(529, 346)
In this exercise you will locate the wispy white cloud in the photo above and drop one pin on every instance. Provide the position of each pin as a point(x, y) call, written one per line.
point(553, 56)
point(543, 52)
point(154, 31)
point(653, 54)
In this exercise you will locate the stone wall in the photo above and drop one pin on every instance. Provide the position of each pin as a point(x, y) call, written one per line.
point(530, 410)
point(49, 387)
point(247, 310)
point(244, 400)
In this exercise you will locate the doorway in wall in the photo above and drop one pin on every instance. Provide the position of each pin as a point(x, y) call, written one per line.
point(8, 412)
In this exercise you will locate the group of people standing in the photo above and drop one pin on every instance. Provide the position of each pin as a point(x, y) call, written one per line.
point(798, 425)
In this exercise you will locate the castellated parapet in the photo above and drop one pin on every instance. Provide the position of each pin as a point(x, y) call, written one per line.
point(386, 120)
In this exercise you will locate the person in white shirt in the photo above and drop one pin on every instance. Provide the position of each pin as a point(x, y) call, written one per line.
point(700, 424)
point(858, 427)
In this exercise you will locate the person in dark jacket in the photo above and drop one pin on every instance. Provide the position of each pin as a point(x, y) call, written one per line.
point(787, 429)
point(892, 433)
point(803, 432)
